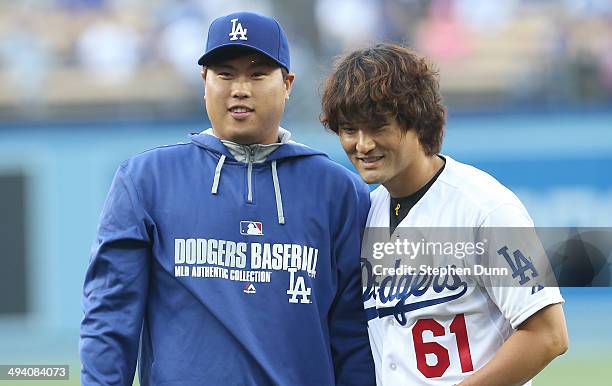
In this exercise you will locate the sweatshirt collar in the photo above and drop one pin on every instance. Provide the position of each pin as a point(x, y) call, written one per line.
point(284, 148)
point(255, 153)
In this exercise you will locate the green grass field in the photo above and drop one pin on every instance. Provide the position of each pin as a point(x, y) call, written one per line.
point(593, 371)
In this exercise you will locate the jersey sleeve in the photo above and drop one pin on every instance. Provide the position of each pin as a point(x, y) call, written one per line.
point(514, 245)
point(115, 289)
point(350, 346)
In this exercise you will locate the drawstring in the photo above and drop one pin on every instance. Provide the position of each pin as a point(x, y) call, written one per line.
point(277, 194)
point(215, 186)
point(249, 181)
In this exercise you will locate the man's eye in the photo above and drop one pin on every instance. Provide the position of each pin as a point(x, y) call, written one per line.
point(347, 130)
point(224, 74)
point(258, 74)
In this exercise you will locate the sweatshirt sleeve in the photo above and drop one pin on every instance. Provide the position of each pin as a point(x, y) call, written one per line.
point(115, 288)
point(353, 364)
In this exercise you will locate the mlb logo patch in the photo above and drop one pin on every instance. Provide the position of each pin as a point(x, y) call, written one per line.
point(251, 228)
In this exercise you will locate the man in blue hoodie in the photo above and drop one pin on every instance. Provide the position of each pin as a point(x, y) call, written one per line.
point(232, 259)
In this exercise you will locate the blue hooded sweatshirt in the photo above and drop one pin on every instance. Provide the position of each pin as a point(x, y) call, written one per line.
point(212, 271)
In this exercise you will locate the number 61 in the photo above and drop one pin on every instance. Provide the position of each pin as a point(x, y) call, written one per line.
point(421, 348)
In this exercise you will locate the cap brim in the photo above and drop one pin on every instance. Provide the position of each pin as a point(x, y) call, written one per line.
point(219, 52)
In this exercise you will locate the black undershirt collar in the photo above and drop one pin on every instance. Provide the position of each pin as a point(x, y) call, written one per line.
point(399, 207)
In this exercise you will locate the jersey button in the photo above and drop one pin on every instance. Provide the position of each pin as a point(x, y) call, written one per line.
point(393, 366)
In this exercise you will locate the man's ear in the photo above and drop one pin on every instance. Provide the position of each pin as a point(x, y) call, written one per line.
point(203, 72)
point(289, 84)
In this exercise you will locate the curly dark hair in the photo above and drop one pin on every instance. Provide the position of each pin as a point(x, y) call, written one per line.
point(369, 86)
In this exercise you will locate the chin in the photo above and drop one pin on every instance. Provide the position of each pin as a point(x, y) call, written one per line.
point(244, 137)
point(370, 178)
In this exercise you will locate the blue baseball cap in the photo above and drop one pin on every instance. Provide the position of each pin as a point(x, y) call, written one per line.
point(247, 30)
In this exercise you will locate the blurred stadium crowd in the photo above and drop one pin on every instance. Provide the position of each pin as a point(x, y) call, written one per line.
point(120, 57)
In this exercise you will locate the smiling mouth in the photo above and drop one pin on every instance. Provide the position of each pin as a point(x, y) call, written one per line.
point(240, 109)
point(240, 112)
point(370, 161)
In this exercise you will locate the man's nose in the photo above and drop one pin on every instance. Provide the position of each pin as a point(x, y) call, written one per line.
point(365, 143)
point(241, 88)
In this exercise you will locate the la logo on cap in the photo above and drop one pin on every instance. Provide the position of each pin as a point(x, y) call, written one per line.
point(237, 30)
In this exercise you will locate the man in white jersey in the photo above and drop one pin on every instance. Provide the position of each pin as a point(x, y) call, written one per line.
point(384, 104)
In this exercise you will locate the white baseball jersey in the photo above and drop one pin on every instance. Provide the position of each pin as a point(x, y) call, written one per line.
point(443, 343)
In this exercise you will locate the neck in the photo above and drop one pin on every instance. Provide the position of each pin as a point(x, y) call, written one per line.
point(414, 177)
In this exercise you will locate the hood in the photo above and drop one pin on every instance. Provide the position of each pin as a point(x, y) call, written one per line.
point(285, 148)
point(250, 154)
